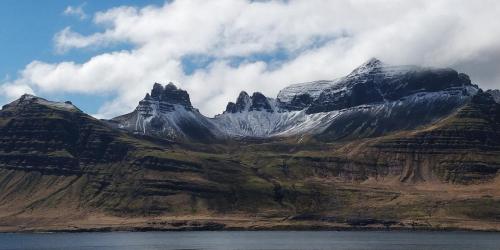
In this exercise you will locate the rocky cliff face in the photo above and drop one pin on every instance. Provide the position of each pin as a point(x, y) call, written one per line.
point(463, 148)
point(169, 96)
point(53, 137)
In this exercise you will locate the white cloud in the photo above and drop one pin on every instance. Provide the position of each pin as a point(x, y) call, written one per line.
point(14, 90)
point(76, 11)
point(325, 38)
point(67, 39)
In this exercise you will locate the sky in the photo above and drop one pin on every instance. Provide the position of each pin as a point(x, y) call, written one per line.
point(104, 56)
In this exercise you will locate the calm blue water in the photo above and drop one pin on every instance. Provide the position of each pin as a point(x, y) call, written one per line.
point(253, 240)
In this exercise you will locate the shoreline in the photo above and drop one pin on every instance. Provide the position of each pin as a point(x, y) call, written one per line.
point(314, 228)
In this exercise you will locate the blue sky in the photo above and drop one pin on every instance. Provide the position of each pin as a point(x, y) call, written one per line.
point(27, 29)
point(105, 55)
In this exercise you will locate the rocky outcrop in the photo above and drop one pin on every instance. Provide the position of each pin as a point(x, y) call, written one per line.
point(298, 102)
point(245, 103)
point(260, 103)
point(170, 95)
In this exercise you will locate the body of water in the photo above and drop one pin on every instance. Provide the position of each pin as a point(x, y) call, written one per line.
point(252, 240)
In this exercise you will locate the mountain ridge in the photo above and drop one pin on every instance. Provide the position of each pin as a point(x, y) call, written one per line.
point(310, 108)
point(429, 161)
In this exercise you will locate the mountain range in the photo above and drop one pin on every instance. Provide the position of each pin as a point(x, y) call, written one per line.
point(385, 147)
point(373, 96)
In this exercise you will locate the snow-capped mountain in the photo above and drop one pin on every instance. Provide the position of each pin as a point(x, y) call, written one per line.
point(372, 82)
point(373, 99)
point(167, 112)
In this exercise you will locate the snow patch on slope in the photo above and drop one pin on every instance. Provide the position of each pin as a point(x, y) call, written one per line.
point(314, 89)
point(27, 98)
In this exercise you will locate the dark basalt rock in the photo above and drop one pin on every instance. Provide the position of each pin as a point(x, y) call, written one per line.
point(49, 140)
point(257, 102)
point(157, 123)
point(241, 104)
point(169, 95)
point(429, 80)
point(260, 102)
point(157, 91)
point(298, 102)
point(167, 164)
point(231, 108)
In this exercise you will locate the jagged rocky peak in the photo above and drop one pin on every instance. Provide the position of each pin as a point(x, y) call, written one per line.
point(370, 65)
point(167, 112)
point(260, 103)
point(169, 94)
point(244, 102)
point(157, 91)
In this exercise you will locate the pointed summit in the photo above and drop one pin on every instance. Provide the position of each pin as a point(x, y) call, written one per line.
point(156, 91)
point(243, 99)
point(25, 99)
point(171, 86)
point(368, 66)
point(242, 103)
point(260, 102)
point(373, 62)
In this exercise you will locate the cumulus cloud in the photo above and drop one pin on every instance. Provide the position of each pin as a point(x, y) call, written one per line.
point(76, 11)
point(321, 39)
point(14, 90)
